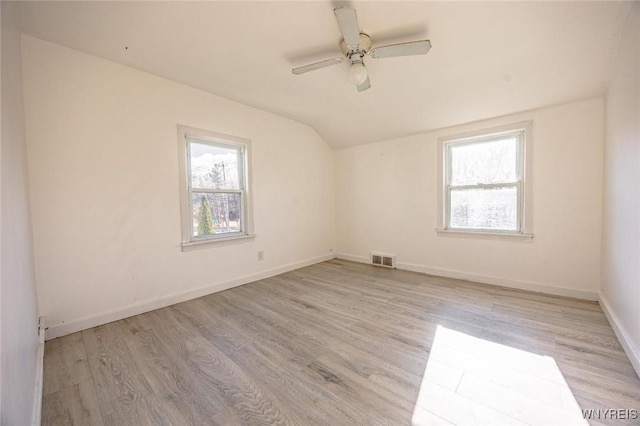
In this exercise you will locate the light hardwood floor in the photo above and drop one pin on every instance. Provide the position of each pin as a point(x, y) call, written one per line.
point(340, 343)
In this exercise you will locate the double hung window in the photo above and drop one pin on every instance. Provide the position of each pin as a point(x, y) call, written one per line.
point(215, 187)
point(484, 182)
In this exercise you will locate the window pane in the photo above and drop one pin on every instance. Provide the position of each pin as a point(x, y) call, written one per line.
point(215, 214)
point(214, 167)
point(486, 208)
point(484, 162)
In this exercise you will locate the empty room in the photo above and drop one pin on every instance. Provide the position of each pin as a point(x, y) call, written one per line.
point(320, 213)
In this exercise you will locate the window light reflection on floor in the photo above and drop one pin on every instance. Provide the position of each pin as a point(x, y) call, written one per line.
point(471, 381)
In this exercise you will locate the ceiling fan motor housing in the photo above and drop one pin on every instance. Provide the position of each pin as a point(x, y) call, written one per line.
point(361, 50)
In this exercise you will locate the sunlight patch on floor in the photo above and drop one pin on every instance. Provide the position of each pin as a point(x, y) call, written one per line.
point(471, 381)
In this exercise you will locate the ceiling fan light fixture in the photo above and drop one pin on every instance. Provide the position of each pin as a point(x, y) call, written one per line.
point(357, 73)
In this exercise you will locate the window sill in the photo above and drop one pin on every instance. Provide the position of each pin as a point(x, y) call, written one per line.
point(508, 236)
point(223, 241)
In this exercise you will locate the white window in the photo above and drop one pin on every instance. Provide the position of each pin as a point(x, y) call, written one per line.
point(485, 186)
point(214, 187)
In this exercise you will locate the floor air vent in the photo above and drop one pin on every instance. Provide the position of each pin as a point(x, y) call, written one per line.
point(386, 260)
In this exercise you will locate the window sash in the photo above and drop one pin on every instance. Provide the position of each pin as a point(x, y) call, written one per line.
point(219, 235)
point(518, 183)
point(239, 148)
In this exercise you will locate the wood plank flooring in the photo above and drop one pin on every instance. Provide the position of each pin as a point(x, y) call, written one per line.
point(340, 343)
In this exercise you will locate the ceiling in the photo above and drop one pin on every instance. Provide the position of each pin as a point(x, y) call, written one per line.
point(488, 58)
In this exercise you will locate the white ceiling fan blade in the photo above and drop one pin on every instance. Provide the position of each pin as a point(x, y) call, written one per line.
point(364, 85)
point(348, 23)
point(420, 47)
point(316, 65)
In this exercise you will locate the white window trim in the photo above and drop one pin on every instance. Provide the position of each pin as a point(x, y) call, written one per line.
point(525, 232)
point(188, 242)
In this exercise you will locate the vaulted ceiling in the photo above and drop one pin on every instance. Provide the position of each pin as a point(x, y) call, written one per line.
point(488, 58)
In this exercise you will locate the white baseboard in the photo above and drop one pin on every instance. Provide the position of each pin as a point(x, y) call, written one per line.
point(62, 329)
point(485, 279)
point(36, 416)
point(623, 336)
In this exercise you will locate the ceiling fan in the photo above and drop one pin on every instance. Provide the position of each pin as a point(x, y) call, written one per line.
point(355, 45)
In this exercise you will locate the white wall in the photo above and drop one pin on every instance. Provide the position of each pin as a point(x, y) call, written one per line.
point(387, 201)
point(19, 312)
point(103, 155)
point(621, 222)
